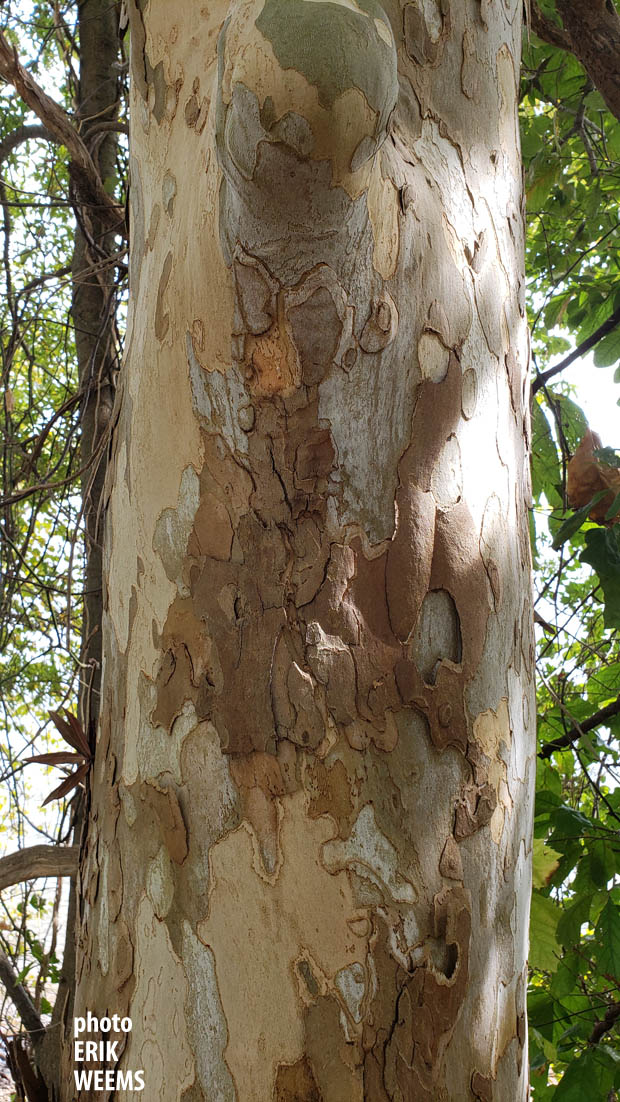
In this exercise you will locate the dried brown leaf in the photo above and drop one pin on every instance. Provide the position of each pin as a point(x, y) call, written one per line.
point(57, 757)
point(69, 782)
point(588, 475)
point(72, 732)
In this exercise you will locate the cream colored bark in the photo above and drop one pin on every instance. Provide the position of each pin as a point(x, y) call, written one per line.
point(307, 869)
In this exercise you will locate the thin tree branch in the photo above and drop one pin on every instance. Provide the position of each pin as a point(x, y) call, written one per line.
point(575, 732)
point(34, 861)
point(21, 1000)
point(82, 167)
point(608, 1021)
point(610, 324)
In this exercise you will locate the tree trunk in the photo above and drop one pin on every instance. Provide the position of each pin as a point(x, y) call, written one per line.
point(307, 870)
point(93, 314)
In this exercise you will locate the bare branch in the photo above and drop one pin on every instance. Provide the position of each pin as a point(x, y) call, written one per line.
point(575, 732)
point(34, 861)
point(82, 167)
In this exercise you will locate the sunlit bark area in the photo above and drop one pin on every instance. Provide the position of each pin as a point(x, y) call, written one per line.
point(306, 873)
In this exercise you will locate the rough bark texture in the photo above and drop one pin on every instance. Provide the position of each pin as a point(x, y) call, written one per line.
point(307, 868)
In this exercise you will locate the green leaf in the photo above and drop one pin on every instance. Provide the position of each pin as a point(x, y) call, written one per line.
point(573, 918)
point(602, 551)
point(574, 421)
point(574, 522)
point(609, 456)
point(589, 1078)
point(608, 931)
point(544, 863)
point(602, 861)
point(544, 945)
point(546, 472)
point(614, 508)
point(607, 351)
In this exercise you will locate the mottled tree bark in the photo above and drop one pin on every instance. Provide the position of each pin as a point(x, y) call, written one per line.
point(307, 868)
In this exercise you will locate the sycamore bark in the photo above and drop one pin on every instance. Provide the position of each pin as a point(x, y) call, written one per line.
point(306, 874)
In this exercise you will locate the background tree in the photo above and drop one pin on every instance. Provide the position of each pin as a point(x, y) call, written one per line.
point(565, 127)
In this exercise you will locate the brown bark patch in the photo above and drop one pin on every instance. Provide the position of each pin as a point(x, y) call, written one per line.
point(330, 791)
point(161, 819)
point(296, 1083)
point(259, 780)
point(481, 1087)
point(271, 362)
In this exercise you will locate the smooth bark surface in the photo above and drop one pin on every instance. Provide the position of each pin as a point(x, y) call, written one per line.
point(307, 868)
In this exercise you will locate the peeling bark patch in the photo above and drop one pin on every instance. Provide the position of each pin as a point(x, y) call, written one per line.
point(347, 49)
point(474, 809)
point(481, 1087)
point(451, 864)
point(492, 735)
point(160, 994)
point(437, 635)
point(174, 526)
point(162, 317)
point(307, 910)
point(410, 1026)
point(426, 26)
point(296, 1083)
point(470, 394)
point(316, 328)
point(256, 293)
point(433, 357)
point(259, 780)
point(380, 328)
point(372, 856)
point(271, 362)
point(330, 794)
point(186, 666)
point(206, 1024)
point(159, 807)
